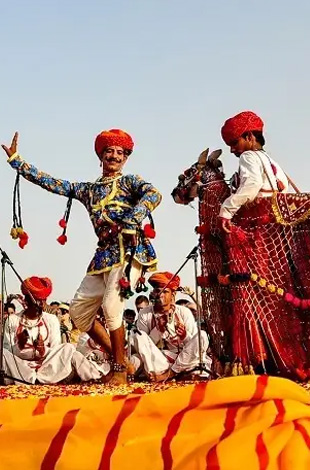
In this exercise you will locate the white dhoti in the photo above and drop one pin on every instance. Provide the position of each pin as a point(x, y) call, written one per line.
point(60, 362)
point(17, 368)
point(101, 290)
point(157, 361)
point(99, 358)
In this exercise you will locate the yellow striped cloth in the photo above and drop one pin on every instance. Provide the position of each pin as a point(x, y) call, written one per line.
point(236, 423)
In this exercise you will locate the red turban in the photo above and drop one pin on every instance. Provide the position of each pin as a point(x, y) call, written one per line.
point(161, 280)
point(243, 122)
point(113, 137)
point(39, 287)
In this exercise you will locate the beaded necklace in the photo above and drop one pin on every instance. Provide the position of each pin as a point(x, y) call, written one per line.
point(108, 179)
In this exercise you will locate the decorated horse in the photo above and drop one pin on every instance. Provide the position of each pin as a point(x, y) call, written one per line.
point(255, 280)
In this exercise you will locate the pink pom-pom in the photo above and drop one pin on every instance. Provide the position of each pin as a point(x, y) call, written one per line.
point(288, 297)
point(304, 304)
point(296, 302)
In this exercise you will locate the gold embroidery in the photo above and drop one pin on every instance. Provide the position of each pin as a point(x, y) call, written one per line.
point(278, 215)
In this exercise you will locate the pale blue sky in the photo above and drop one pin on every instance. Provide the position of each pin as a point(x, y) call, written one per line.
point(169, 72)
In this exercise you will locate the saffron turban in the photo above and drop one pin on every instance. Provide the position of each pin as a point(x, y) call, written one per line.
point(160, 280)
point(113, 137)
point(243, 122)
point(39, 287)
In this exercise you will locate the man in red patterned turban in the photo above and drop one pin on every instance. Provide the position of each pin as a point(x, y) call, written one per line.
point(170, 327)
point(234, 128)
point(111, 138)
point(39, 288)
point(164, 279)
point(117, 205)
point(32, 342)
point(259, 175)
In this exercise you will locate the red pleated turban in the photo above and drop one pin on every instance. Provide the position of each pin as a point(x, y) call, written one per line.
point(160, 280)
point(113, 137)
point(39, 287)
point(243, 122)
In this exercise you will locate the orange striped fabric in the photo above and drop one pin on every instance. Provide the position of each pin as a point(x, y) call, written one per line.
point(236, 423)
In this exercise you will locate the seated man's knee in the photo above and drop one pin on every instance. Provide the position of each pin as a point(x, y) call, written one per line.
point(68, 347)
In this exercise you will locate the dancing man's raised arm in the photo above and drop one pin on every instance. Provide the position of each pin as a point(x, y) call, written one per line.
point(34, 175)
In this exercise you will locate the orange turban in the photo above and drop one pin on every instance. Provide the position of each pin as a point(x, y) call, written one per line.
point(39, 287)
point(162, 279)
point(243, 122)
point(113, 137)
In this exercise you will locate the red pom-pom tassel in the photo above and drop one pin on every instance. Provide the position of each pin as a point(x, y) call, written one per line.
point(23, 240)
point(62, 239)
point(149, 232)
point(62, 223)
point(124, 283)
point(223, 279)
point(202, 229)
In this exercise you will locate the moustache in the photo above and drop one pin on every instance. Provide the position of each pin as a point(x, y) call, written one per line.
point(113, 160)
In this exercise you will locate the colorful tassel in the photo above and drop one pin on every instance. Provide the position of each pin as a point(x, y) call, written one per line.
point(125, 288)
point(141, 286)
point(17, 231)
point(63, 223)
point(149, 229)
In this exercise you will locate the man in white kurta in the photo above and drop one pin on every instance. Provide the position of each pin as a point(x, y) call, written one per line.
point(32, 342)
point(168, 341)
point(94, 353)
point(259, 175)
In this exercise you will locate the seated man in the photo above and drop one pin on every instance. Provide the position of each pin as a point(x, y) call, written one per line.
point(94, 353)
point(65, 322)
point(129, 316)
point(100, 356)
point(167, 343)
point(190, 305)
point(141, 302)
point(33, 350)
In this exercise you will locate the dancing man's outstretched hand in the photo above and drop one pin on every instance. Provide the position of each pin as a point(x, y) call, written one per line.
point(13, 148)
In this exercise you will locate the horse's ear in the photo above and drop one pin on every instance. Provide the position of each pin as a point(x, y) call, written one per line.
point(214, 158)
point(203, 158)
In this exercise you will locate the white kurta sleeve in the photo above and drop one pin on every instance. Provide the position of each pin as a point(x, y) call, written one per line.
point(251, 173)
point(189, 323)
point(9, 339)
point(142, 322)
point(55, 336)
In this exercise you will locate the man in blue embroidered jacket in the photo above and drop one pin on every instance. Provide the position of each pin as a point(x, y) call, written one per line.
point(117, 205)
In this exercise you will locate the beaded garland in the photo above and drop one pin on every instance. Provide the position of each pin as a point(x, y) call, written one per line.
point(226, 279)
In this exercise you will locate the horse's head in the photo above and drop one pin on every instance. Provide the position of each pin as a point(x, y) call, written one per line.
point(204, 172)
